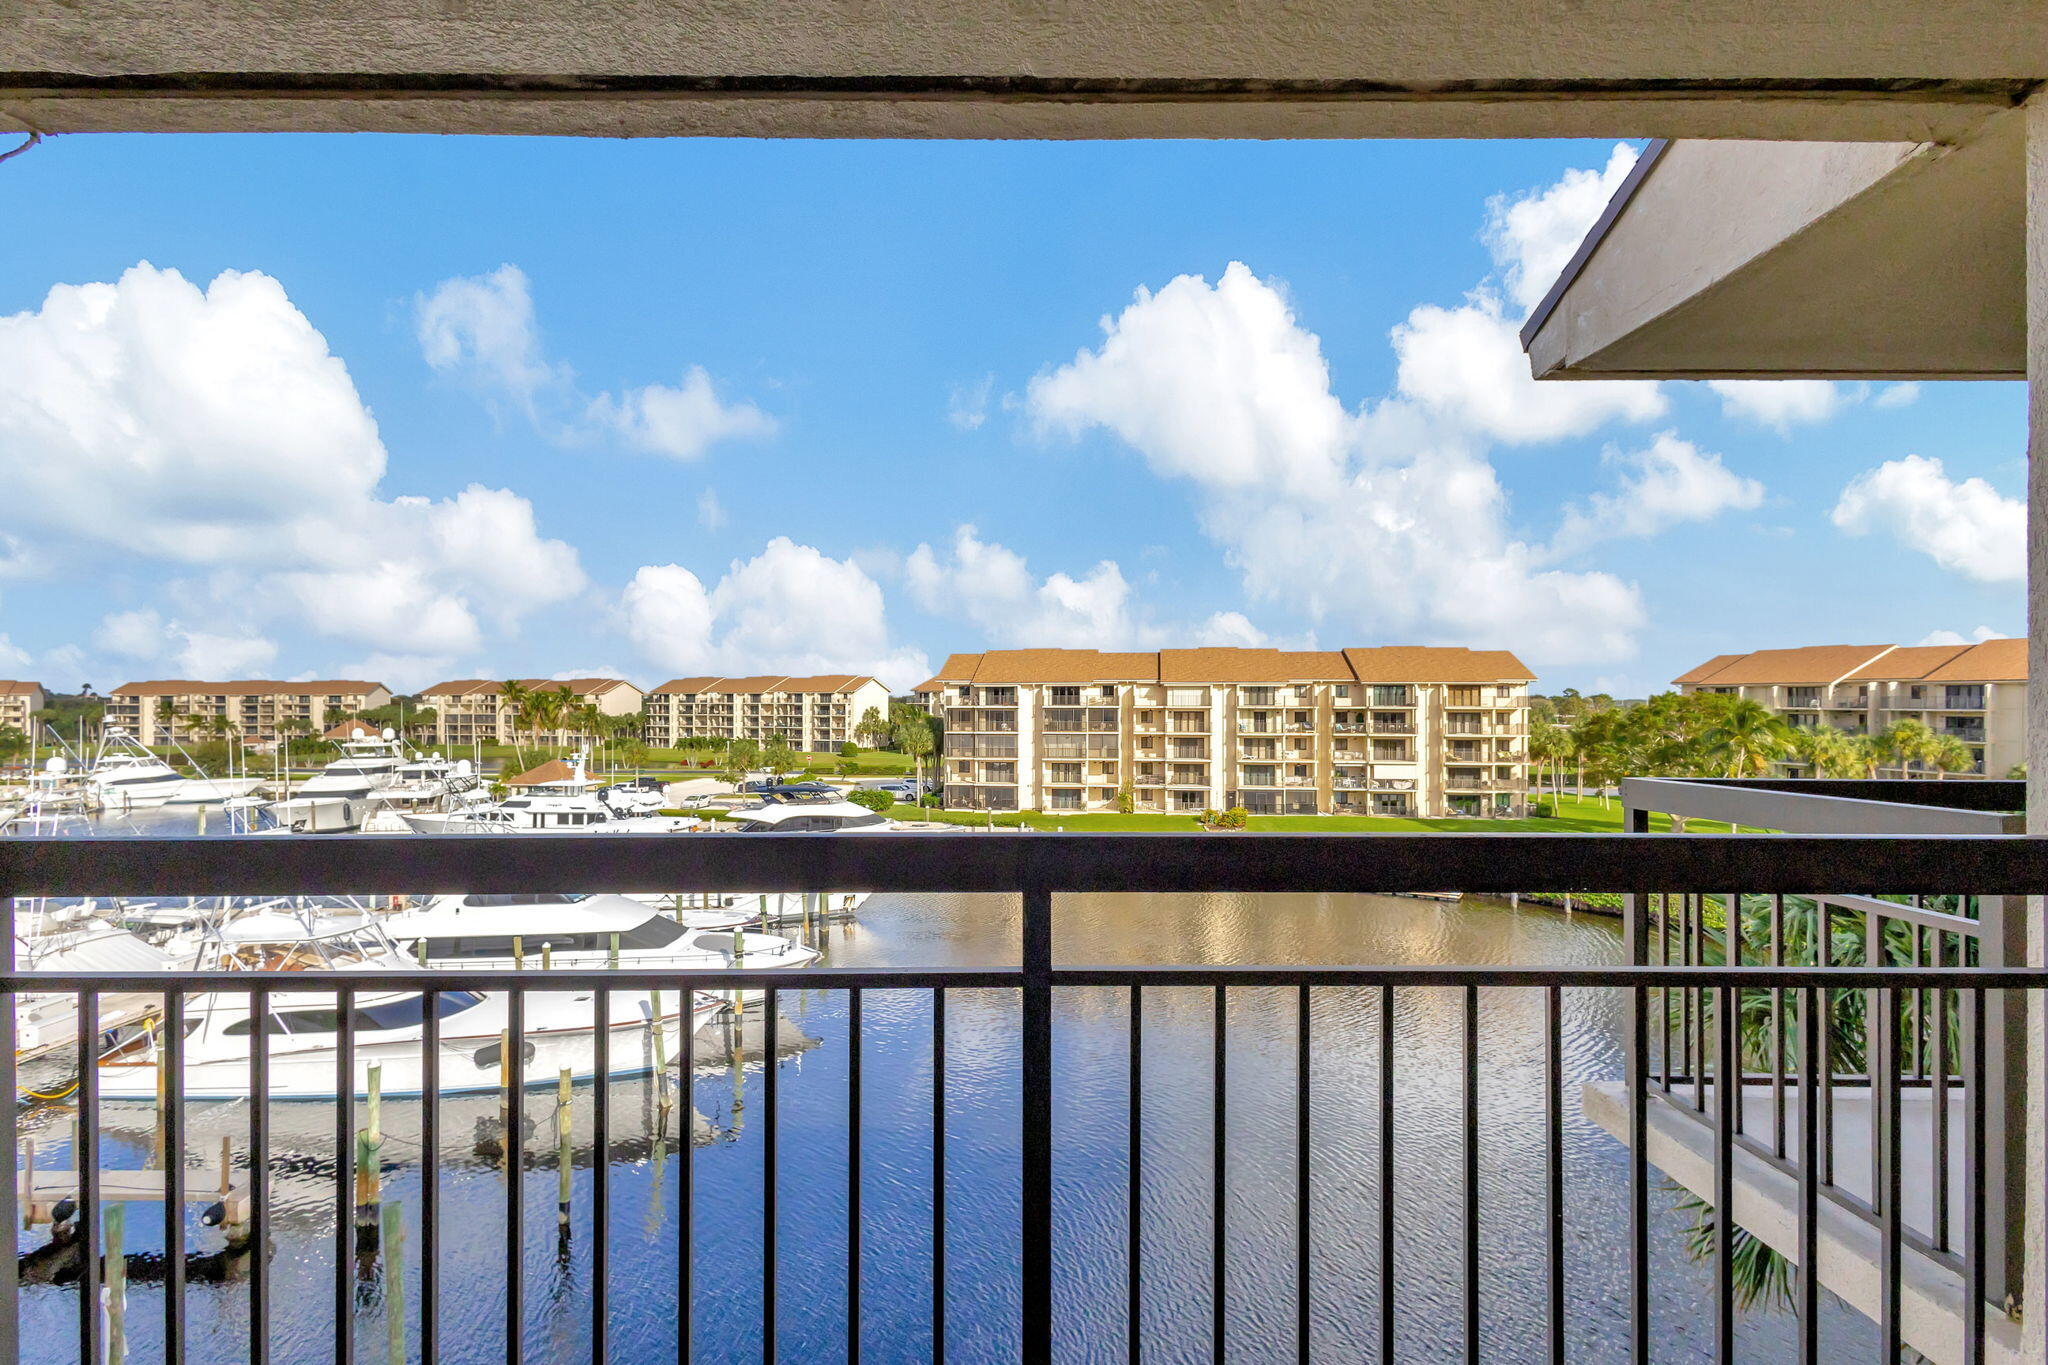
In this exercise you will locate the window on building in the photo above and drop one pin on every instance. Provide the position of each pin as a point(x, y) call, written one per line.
point(1066, 696)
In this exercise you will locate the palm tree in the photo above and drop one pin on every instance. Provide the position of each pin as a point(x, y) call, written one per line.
point(1906, 743)
point(1947, 754)
point(1745, 739)
point(872, 730)
point(1829, 752)
point(1548, 745)
point(914, 737)
point(516, 699)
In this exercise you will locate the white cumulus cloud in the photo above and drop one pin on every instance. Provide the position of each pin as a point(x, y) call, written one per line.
point(1781, 404)
point(154, 424)
point(1670, 482)
point(143, 636)
point(1968, 527)
point(482, 328)
point(1950, 637)
point(1532, 236)
point(790, 609)
point(1393, 526)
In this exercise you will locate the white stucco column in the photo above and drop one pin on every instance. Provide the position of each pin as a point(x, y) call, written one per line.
point(2035, 1292)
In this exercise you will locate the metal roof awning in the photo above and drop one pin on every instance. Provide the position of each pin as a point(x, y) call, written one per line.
point(1893, 260)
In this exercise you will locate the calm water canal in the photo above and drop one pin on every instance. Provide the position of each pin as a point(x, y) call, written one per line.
point(982, 1184)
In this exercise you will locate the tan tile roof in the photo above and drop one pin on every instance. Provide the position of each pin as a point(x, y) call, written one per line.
point(1435, 663)
point(582, 687)
point(247, 687)
point(824, 682)
point(461, 687)
point(1908, 663)
point(1991, 661)
point(958, 668)
point(762, 682)
point(554, 770)
point(1805, 666)
point(1234, 665)
point(1004, 667)
point(681, 685)
point(10, 687)
point(1706, 670)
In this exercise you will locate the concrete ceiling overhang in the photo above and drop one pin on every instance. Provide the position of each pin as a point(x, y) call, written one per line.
point(1880, 69)
point(1769, 260)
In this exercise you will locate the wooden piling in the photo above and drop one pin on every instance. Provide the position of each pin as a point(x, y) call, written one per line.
point(114, 1283)
point(518, 953)
point(28, 1176)
point(547, 955)
point(394, 1282)
point(563, 1150)
point(660, 1057)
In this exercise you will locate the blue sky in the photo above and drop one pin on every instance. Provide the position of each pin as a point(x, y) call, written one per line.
point(742, 406)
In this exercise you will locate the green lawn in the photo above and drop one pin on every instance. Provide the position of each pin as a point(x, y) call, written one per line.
point(1576, 815)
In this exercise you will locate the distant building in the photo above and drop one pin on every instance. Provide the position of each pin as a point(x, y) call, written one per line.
point(258, 710)
point(1977, 693)
point(19, 701)
point(1387, 731)
point(474, 711)
point(816, 713)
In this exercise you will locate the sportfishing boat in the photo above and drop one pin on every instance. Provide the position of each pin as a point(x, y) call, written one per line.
point(368, 762)
point(126, 776)
point(502, 932)
point(201, 791)
point(302, 1033)
point(557, 798)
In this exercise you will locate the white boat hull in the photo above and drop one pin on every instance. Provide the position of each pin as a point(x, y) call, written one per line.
point(197, 791)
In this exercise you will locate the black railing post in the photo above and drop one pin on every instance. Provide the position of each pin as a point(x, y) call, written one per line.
point(1635, 931)
point(1037, 1120)
point(10, 1215)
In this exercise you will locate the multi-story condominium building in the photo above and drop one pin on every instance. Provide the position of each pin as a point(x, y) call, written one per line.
point(1976, 693)
point(258, 710)
point(817, 713)
point(1387, 731)
point(19, 701)
point(474, 710)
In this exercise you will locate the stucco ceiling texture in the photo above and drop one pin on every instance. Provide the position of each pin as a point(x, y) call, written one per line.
point(1010, 68)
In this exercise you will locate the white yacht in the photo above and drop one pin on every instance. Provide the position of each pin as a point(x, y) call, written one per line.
point(479, 931)
point(303, 1031)
point(368, 763)
point(126, 776)
point(567, 804)
point(201, 791)
point(812, 817)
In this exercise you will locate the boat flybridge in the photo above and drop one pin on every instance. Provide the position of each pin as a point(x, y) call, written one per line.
point(303, 1031)
point(570, 804)
point(368, 762)
point(501, 932)
point(126, 776)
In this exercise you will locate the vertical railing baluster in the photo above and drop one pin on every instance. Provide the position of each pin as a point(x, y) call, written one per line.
point(1731, 954)
point(1036, 1299)
point(259, 1176)
point(430, 1176)
point(1638, 1176)
point(10, 1174)
point(1553, 1162)
point(1778, 1029)
point(1939, 1074)
point(686, 1172)
point(600, 1155)
point(1134, 1160)
point(1876, 1049)
point(1823, 953)
point(344, 1179)
point(1807, 1287)
point(1386, 1173)
point(853, 1060)
point(1471, 1173)
point(1303, 1236)
point(939, 1172)
point(1727, 1098)
point(1976, 1140)
point(86, 1150)
point(514, 1065)
point(170, 1057)
point(1885, 1104)
point(1219, 1205)
point(769, 1169)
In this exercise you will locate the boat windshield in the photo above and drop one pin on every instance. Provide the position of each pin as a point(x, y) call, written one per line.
point(404, 1012)
point(657, 931)
point(532, 898)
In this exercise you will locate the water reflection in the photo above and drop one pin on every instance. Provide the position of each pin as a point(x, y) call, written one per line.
point(720, 1124)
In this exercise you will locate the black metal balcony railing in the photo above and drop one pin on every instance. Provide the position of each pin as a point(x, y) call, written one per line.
point(1038, 868)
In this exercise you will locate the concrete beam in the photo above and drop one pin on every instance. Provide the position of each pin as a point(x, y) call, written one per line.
point(1896, 260)
point(1896, 69)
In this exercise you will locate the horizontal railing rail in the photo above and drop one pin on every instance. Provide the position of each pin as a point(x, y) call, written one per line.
point(1038, 867)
